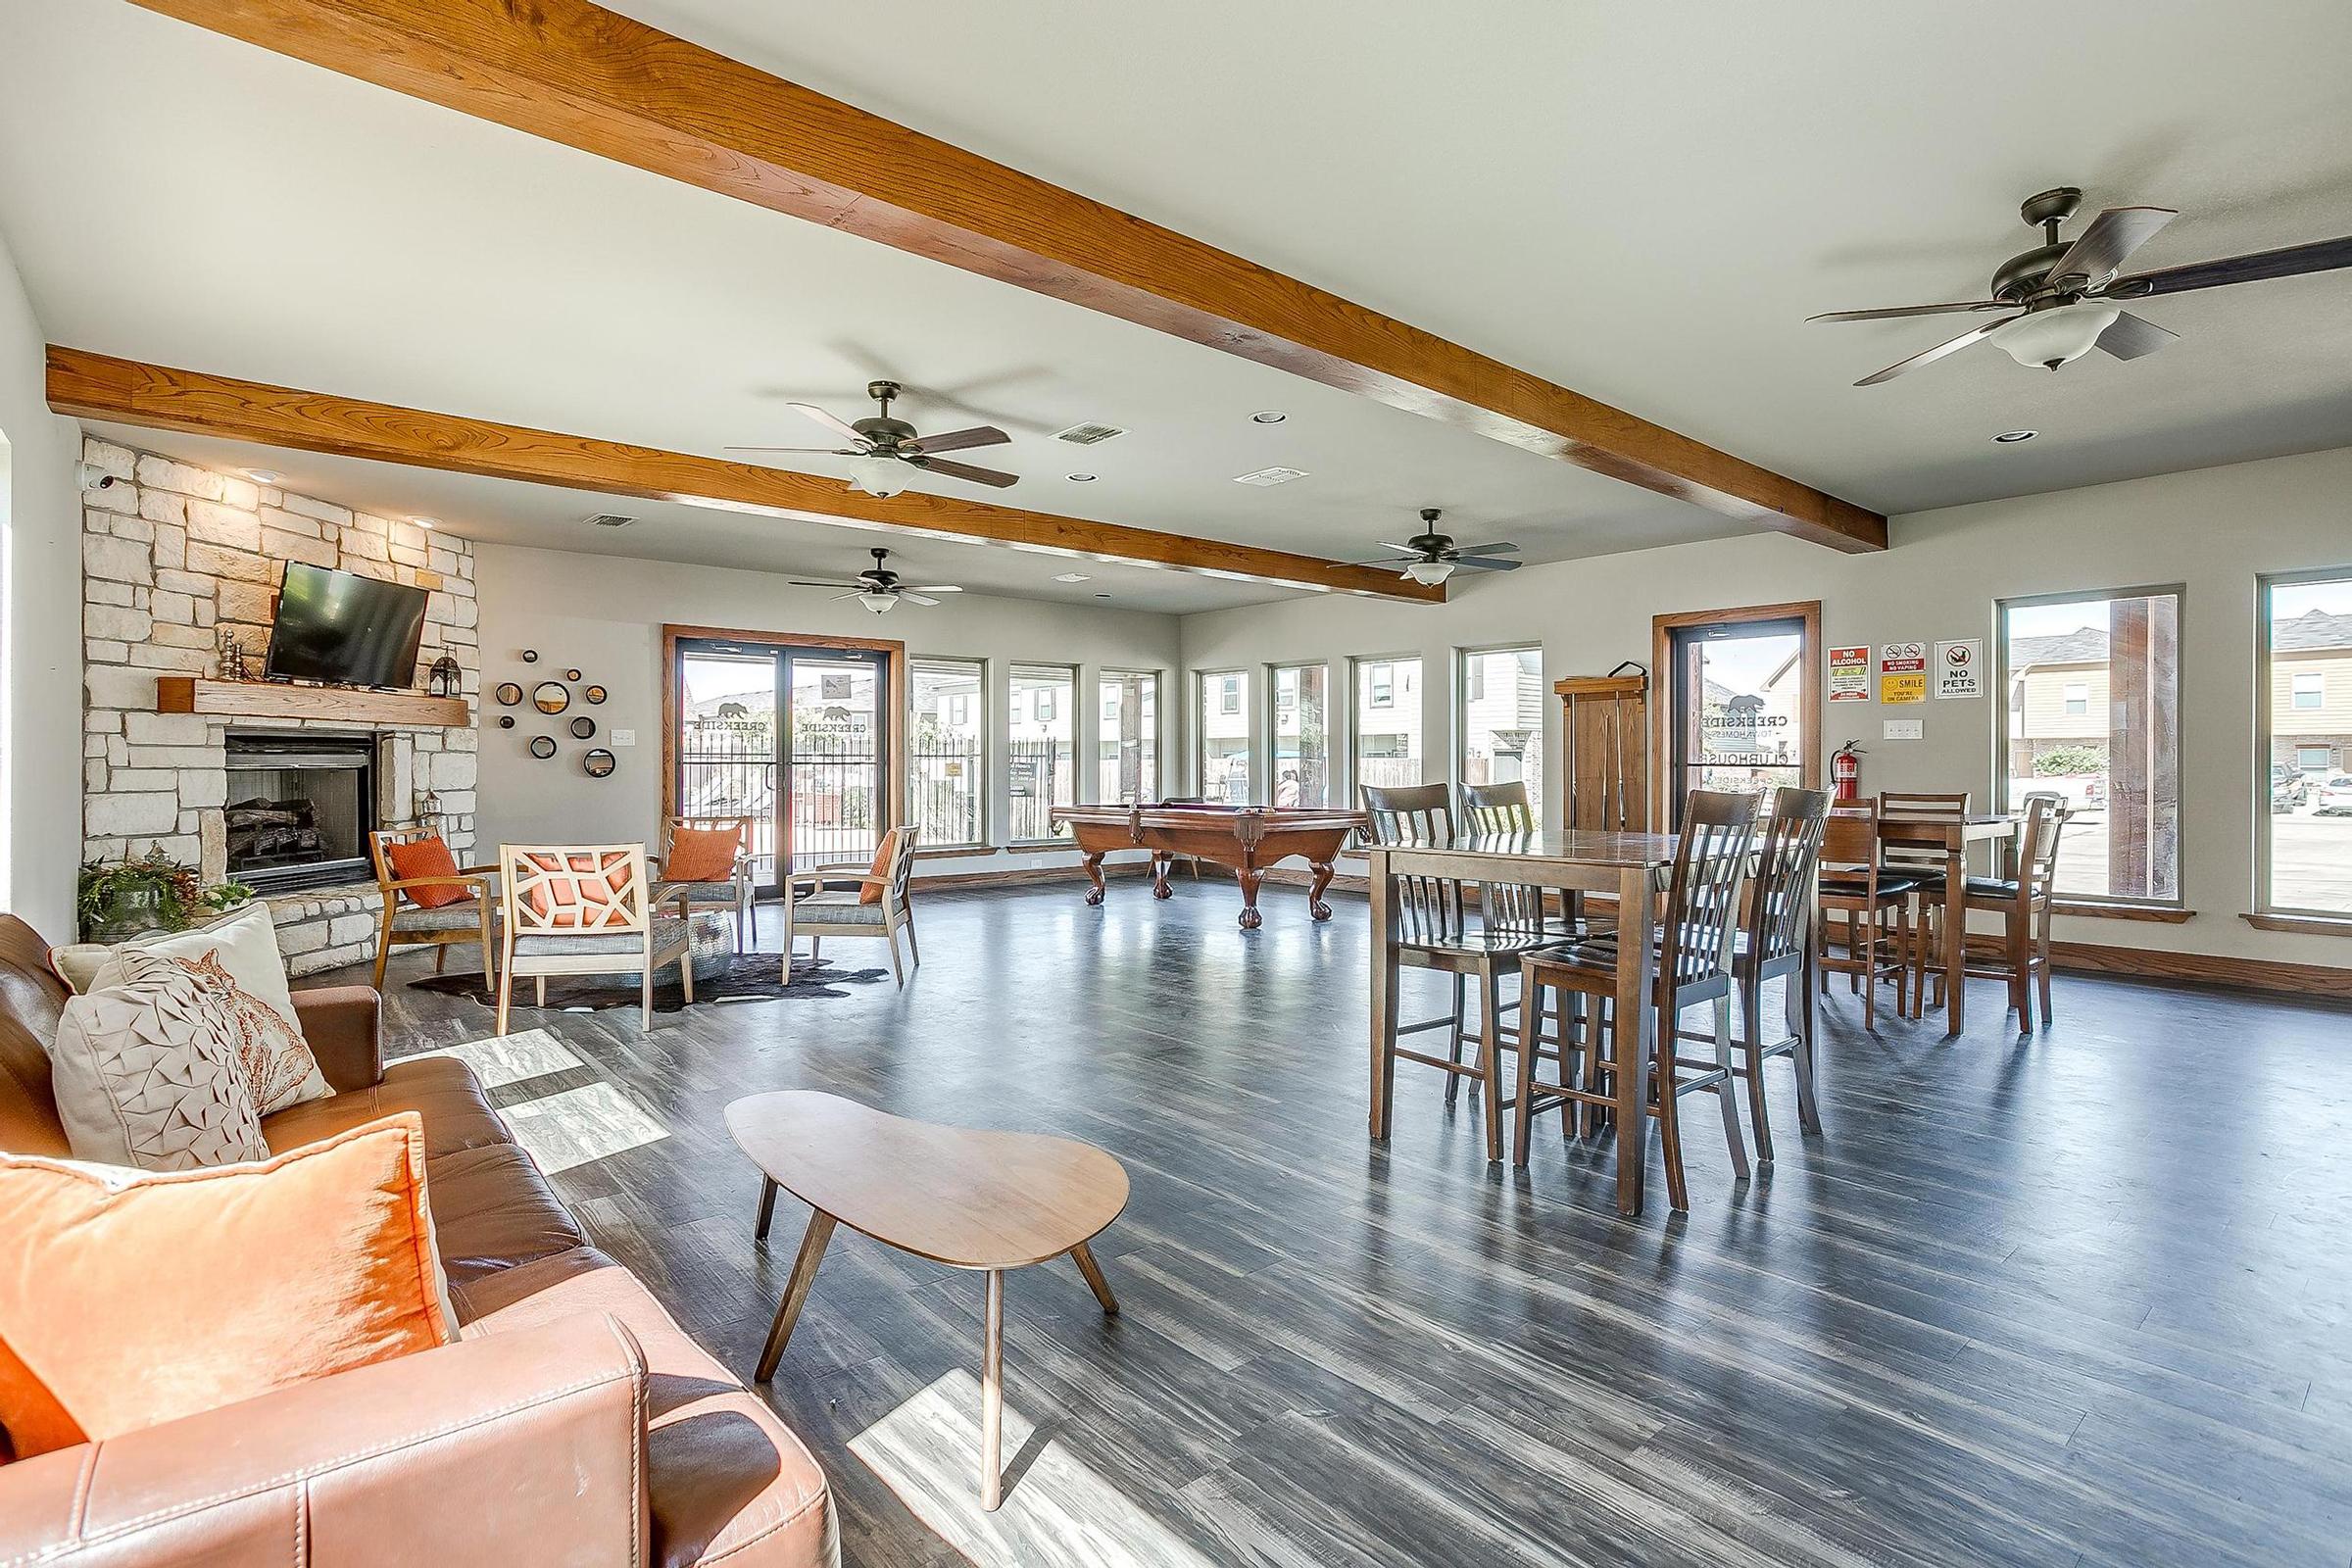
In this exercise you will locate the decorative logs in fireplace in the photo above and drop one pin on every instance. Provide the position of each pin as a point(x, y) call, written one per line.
point(261, 832)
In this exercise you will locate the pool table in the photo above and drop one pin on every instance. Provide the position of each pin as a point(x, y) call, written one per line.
point(1247, 838)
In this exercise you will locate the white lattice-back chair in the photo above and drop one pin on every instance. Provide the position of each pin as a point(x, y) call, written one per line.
point(584, 909)
point(854, 901)
point(732, 893)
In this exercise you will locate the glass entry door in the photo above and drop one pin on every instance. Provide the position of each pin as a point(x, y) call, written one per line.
point(1739, 718)
point(795, 738)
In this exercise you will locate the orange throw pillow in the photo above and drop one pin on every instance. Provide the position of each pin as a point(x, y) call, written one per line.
point(427, 856)
point(132, 1298)
point(702, 854)
point(871, 893)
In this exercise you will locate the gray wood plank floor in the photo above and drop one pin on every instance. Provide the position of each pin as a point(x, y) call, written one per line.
point(2081, 1300)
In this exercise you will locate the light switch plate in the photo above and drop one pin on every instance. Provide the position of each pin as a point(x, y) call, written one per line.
point(1903, 729)
point(628, 737)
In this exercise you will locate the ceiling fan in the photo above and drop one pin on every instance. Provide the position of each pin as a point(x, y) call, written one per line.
point(881, 448)
point(1428, 556)
point(878, 588)
point(2067, 299)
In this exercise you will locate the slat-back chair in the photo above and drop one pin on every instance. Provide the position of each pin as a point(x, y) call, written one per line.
point(403, 922)
point(1694, 948)
point(584, 909)
point(2025, 900)
point(1775, 943)
point(1856, 884)
point(1433, 933)
point(1922, 867)
point(733, 895)
point(1504, 809)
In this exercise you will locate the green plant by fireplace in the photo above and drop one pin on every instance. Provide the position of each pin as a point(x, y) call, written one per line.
point(149, 892)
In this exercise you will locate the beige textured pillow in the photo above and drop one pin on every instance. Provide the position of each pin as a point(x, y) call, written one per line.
point(146, 1075)
point(236, 962)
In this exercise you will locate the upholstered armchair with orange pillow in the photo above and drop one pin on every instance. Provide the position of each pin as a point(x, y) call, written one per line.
point(430, 900)
point(705, 863)
point(848, 901)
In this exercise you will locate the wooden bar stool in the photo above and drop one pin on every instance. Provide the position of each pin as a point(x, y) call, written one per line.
point(1694, 965)
point(1923, 868)
point(1504, 809)
point(2024, 899)
point(1433, 933)
point(1855, 884)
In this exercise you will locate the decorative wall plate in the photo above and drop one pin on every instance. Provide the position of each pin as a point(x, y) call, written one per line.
point(597, 762)
point(583, 728)
point(571, 674)
point(543, 746)
point(508, 694)
point(506, 721)
point(530, 656)
point(596, 696)
point(551, 696)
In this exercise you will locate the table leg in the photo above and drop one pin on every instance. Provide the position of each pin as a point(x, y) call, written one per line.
point(1247, 876)
point(992, 1396)
point(1091, 862)
point(767, 1208)
point(1159, 875)
point(1634, 1030)
point(796, 1290)
point(1314, 893)
point(1955, 936)
point(1383, 999)
point(1084, 1257)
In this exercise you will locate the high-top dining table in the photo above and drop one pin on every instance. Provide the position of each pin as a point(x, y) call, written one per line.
point(1953, 836)
point(1630, 866)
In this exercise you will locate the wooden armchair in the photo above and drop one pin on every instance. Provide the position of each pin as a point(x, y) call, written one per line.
point(831, 901)
point(584, 909)
point(403, 922)
point(732, 894)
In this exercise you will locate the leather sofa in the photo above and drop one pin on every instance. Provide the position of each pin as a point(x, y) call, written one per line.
point(574, 1422)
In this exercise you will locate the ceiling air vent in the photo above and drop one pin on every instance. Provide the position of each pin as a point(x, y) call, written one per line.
point(1087, 435)
point(610, 520)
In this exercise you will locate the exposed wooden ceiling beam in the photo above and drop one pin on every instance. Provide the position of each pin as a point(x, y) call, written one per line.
point(584, 76)
point(98, 386)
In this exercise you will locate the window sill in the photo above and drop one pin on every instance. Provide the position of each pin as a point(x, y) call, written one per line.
point(953, 852)
point(2159, 913)
point(1034, 846)
point(2317, 926)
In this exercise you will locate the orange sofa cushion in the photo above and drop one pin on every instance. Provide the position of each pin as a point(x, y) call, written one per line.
point(128, 1299)
point(702, 853)
point(427, 856)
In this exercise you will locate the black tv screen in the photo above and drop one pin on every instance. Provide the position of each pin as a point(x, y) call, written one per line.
point(346, 629)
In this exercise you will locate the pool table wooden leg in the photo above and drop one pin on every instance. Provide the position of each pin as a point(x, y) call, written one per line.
point(1159, 875)
point(1092, 860)
point(1249, 877)
point(1314, 894)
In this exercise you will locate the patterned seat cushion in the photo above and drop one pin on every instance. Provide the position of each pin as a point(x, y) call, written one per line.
point(450, 918)
point(836, 909)
point(668, 932)
point(700, 892)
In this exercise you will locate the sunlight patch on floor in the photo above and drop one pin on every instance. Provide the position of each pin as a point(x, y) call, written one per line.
point(504, 1059)
point(581, 1125)
point(1057, 1512)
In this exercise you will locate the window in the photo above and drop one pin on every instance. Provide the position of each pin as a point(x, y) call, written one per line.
point(1501, 719)
point(2094, 714)
point(1301, 743)
point(1388, 723)
point(1743, 698)
point(1223, 746)
point(1043, 760)
point(947, 763)
point(2303, 809)
point(1129, 741)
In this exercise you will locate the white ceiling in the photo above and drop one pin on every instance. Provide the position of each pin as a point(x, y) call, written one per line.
point(1609, 195)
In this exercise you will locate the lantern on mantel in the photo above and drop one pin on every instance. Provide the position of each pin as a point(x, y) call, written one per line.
point(444, 680)
point(428, 811)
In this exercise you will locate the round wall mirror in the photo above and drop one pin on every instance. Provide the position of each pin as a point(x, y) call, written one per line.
point(508, 694)
point(595, 695)
point(530, 656)
point(506, 721)
point(598, 764)
point(551, 696)
point(582, 727)
point(571, 674)
point(543, 746)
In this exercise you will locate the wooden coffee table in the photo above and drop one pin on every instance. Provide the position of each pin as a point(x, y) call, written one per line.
point(956, 1196)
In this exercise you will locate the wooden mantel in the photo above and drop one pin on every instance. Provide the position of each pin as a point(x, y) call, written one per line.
point(341, 704)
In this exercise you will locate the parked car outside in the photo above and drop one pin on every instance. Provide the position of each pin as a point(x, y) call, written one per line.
point(2333, 797)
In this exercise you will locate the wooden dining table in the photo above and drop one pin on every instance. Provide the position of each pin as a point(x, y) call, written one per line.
point(1953, 836)
point(1631, 867)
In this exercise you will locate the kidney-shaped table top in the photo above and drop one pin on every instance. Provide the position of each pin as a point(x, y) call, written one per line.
point(958, 1195)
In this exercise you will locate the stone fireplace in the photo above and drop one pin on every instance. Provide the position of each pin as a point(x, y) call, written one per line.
point(172, 555)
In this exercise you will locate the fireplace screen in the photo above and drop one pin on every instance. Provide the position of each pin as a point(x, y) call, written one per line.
point(299, 810)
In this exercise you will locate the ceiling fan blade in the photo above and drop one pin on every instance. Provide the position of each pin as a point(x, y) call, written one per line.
point(914, 597)
point(1935, 353)
point(1402, 550)
point(837, 451)
point(939, 588)
point(2112, 236)
point(979, 435)
point(854, 593)
point(1488, 563)
point(1500, 548)
point(965, 471)
point(2129, 336)
point(805, 582)
point(2293, 260)
point(833, 422)
point(1909, 309)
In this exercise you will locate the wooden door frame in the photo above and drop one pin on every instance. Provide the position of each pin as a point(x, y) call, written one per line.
point(1662, 628)
point(894, 733)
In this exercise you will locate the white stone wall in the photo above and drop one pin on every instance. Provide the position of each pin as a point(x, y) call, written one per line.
point(171, 554)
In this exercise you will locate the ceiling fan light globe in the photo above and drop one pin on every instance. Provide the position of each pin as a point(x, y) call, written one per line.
point(879, 604)
point(2047, 339)
point(877, 476)
point(1429, 573)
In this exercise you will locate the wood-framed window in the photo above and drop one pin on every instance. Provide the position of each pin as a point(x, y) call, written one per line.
point(1298, 734)
point(1737, 701)
point(1127, 744)
point(2303, 746)
point(1385, 740)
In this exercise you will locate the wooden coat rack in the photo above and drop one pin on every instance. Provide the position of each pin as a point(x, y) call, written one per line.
point(1607, 746)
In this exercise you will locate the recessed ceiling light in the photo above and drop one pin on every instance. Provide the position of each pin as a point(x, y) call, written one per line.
point(1071, 576)
point(1082, 478)
point(1268, 416)
point(427, 523)
point(262, 475)
point(1270, 476)
point(2009, 437)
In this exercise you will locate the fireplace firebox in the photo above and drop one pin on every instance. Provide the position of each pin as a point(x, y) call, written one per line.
point(299, 810)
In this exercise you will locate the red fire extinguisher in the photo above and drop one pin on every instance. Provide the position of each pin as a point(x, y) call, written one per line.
point(1846, 770)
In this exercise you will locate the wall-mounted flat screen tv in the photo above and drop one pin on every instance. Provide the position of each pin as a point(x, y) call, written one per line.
point(345, 630)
